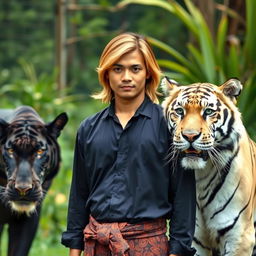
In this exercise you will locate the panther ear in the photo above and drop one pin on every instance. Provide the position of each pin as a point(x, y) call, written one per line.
point(232, 88)
point(3, 127)
point(57, 124)
point(167, 85)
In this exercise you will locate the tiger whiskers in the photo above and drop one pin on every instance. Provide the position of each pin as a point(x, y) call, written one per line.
point(215, 162)
point(216, 157)
point(172, 153)
point(218, 160)
point(172, 156)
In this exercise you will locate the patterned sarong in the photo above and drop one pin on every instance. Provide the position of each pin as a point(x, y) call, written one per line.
point(124, 239)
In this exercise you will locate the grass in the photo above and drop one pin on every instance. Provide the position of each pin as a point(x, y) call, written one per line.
point(39, 247)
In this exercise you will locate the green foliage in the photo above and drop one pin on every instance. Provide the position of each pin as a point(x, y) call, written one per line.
point(27, 49)
point(23, 25)
point(39, 91)
point(210, 58)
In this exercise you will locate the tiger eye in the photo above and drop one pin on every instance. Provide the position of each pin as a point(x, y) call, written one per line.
point(209, 111)
point(179, 111)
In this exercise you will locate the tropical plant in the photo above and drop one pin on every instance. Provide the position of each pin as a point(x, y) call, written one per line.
point(211, 57)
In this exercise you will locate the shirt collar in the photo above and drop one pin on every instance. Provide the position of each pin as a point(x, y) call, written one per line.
point(110, 110)
point(144, 109)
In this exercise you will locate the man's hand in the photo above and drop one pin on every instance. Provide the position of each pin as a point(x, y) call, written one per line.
point(76, 252)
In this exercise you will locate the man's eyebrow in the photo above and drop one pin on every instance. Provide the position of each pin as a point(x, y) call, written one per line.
point(120, 65)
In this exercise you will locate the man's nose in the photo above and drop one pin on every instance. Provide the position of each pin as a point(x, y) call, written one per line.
point(127, 76)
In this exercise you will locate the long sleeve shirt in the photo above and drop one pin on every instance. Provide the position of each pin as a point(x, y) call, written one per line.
point(123, 175)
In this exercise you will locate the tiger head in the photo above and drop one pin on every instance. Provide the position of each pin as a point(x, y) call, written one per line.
point(203, 120)
point(30, 158)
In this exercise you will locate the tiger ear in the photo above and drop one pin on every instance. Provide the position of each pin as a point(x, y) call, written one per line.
point(57, 124)
point(167, 85)
point(232, 88)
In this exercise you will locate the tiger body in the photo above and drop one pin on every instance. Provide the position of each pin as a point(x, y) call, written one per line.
point(29, 160)
point(210, 138)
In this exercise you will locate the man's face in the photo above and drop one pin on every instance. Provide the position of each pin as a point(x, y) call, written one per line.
point(127, 77)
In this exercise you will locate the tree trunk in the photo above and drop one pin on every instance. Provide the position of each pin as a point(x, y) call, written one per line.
point(235, 25)
point(207, 8)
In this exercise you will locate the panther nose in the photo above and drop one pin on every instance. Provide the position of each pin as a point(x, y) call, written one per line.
point(191, 136)
point(23, 188)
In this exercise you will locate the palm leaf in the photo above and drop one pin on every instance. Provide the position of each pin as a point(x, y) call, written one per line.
point(220, 51)
point(250, 39)
point(205, 41)
point(188, 76)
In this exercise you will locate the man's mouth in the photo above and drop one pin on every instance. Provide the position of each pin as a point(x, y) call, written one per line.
point(127, 87)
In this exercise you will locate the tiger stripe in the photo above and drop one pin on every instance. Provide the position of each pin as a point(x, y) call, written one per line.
point(210, 138)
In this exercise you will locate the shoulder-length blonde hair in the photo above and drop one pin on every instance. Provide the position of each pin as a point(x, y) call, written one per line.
point(114, 50)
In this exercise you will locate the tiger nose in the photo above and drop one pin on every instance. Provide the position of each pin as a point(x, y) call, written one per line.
point(191, 136)
point(23, 188)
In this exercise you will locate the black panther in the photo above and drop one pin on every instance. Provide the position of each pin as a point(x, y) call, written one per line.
point(29, 160)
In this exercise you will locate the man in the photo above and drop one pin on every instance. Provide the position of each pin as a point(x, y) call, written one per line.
point(123, 188)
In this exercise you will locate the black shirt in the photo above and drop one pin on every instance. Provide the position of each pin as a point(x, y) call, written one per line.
point(123, 175)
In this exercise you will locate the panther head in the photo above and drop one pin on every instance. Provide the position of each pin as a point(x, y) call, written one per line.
point(29, 158)
point(203, 120)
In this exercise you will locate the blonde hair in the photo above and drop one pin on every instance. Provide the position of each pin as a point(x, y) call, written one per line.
point(114, 50)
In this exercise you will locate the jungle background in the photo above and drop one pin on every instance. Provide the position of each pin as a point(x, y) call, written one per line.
point(49, 52)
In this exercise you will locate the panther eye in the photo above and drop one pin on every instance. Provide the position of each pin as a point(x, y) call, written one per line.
point(39, 152)
point(208, 111)
point(179, 111)
point(10, 151)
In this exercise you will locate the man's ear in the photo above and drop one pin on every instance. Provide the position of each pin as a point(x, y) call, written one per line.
point(106, 75)
point(232, 88)
point(167, 85)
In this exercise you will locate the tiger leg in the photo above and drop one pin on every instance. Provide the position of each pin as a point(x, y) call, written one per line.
point(201, 240)
point(238, 244)
point(254, 248)
point(201, 249)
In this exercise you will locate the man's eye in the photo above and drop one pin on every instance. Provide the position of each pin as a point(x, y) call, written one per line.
point(136, 69)
point(117, 69)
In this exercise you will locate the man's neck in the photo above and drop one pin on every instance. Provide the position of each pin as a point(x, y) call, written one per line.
point(125, 109)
